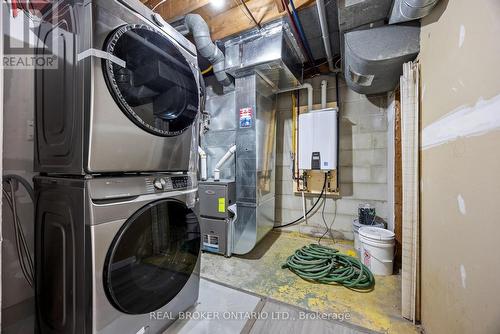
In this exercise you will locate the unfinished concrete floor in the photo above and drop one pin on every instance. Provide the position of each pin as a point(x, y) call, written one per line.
point(260, 273)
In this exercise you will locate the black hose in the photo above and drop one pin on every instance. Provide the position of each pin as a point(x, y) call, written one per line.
point(308, 212)
point(25, 259)
point(23, 181)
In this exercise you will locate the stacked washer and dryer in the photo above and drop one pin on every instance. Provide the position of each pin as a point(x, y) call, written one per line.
point(117, 239)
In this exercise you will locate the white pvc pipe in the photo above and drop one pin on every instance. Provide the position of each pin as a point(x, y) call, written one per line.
point(320, 4)
point(222, 161)
point(203, 164)
point(309, 88)
point(324, 86)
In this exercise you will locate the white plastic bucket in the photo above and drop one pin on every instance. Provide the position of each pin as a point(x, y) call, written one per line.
point(377, 249)
point(356, 225)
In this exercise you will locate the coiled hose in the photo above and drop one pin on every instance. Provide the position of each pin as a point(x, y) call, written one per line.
point(326, 265)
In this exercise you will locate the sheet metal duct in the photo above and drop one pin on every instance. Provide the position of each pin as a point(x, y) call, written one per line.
point(374, 58)
point(222, 134)
point(408, 10)
point(255, 161)
point(272, 52)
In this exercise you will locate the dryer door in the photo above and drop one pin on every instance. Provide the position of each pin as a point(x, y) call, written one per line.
point(152, 257)
point(157, 89)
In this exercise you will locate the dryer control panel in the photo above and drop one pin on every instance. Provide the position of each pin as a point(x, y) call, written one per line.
point(118, 187)
point(168, 183)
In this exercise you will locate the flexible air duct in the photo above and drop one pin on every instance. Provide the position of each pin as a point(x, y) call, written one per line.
point(206, 48)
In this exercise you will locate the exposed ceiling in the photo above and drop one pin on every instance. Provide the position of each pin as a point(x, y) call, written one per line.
point(224, 17)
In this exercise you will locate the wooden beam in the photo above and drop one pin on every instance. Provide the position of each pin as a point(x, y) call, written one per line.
point(174, 8)
point(279, 5)
point(229, 22)
point(234, 21)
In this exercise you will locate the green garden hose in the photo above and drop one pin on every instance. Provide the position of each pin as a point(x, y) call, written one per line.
point(326, 265)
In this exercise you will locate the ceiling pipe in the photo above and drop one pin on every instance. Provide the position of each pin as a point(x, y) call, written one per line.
point(201, 34)
point(307, 86)
point(320, 4)
point(324, 87)
point(221, 162)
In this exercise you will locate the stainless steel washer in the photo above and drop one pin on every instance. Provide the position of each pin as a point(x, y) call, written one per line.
point(115, 255)
point(125, 94)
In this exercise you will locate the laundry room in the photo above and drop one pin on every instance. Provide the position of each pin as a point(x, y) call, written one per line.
point(249, 166)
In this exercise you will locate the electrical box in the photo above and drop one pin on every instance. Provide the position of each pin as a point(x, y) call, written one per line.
point(318, 141)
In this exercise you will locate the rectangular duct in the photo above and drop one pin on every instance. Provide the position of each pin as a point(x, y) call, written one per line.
point(255, 161)
point(272, 52)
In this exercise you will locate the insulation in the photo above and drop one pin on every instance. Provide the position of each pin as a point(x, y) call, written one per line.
point(374, 58)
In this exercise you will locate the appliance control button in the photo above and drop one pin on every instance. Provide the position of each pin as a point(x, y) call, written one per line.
point(158, 184)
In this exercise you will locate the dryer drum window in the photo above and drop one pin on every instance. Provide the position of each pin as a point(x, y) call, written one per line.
point(157, 89)
point(152, 257)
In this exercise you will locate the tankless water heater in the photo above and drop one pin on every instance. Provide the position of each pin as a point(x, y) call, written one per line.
point(318, 140)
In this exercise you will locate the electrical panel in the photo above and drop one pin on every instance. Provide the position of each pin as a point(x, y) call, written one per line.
point(318, 140)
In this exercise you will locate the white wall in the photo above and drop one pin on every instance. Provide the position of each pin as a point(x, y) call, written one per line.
point(460, 165)
point(363, 160)
point(1, 164)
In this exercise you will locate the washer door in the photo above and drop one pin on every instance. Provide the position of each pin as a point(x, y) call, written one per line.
point(157, 89)
point(152, 257)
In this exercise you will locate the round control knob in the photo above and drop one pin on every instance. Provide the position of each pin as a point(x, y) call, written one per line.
point(158, 184)
point(163, 182)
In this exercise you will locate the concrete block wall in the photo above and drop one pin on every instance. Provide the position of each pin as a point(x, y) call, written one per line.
point(363, 161)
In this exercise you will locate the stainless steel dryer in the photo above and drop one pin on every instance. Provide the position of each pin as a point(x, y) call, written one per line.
point(125, 93)
point(115, 255)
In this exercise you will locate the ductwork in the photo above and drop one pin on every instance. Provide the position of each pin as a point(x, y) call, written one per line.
point(374, 58)
point(408, 10)
point(206, 48)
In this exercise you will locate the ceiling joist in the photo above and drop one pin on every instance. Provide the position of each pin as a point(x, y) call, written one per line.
point(231, 19)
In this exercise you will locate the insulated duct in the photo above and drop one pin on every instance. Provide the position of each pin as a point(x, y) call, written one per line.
point(408, 10)
point(374, 58)
point(199, 28)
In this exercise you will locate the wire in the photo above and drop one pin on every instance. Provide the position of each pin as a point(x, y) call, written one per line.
point(211, 67)
point(158, 5)
point(308, 212)
point(301, 31)
point(251, 15)
point(328, 228)
point(237, 3)
point(296, 30)
point(24, 254)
